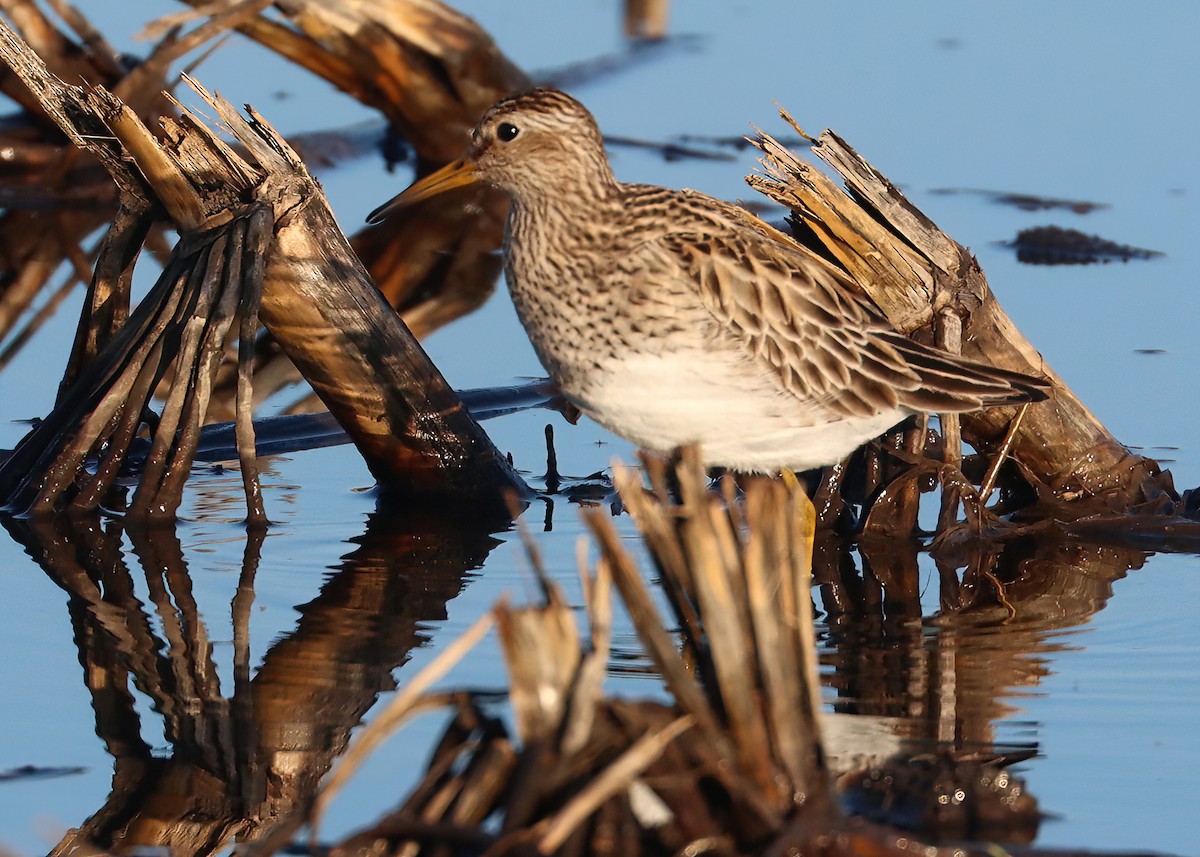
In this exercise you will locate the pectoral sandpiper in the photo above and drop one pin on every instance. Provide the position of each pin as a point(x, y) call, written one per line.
point(670, 317)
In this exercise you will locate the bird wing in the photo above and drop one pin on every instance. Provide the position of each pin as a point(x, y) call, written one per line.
point(787, 309)
point(788, 314)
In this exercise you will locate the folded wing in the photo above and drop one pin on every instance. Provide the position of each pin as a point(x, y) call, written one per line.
point(787, 309)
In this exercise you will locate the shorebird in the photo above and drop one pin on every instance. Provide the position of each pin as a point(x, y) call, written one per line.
point(671, 317)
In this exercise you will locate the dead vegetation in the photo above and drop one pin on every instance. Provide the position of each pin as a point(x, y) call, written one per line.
point(55, 193)
point(1054, 245)
point(1052, 460)
point(431, 72)
point(751, 773)
point(727, 767)
point(735, 761)
point(928, 285)
point(357, 354)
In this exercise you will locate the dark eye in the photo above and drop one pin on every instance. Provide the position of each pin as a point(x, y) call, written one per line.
point(506, 131)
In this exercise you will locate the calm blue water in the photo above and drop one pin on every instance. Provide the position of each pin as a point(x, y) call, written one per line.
point(1077, 100)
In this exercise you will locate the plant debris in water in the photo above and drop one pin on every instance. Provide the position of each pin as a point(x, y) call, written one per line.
point(1025, 201)
point(1055, 245)
point(732, 762)
point(38, 772)
point(739, 759)
point(669, 151)
point(739, 142)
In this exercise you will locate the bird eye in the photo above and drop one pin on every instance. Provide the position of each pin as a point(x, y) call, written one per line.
point(506, 131)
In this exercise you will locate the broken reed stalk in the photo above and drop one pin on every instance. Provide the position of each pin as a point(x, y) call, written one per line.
point(57, 192)
point(115, 366)
point(412, 430)
point(745, 593)
point(733, 765)
point(917, 274)
point(735, 759)
point(106, 307)
point(182, 323)
point(431, 71)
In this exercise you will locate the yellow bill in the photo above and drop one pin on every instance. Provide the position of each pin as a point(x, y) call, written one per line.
point(455, 174)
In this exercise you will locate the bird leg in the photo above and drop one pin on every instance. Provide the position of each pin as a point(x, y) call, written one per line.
point(948, 330)
point(989, 480)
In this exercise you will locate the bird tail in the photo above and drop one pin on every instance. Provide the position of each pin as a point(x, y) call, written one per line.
point(951, 384)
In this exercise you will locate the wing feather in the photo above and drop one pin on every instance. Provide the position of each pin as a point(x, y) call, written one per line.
point(787, 309)
point(790, 316)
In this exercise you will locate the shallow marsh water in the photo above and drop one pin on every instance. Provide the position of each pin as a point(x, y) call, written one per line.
point(1075, 100)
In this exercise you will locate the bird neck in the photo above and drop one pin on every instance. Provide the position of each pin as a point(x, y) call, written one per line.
point(579, 188)
point(563, 222)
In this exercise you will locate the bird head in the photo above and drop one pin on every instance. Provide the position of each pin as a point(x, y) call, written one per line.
point(541, 141)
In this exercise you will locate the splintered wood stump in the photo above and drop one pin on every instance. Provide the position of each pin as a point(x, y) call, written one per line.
point(331, 321)
point(55, 194)
point(919, 276)
point(431, 71)
point(316, 298)
point(326, 313)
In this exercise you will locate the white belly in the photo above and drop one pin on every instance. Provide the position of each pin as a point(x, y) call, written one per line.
point(741, 421)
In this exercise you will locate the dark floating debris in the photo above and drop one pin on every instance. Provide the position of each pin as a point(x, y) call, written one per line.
point(738, 142)
point(669, 151)
point(700, 147)
point(38, 772)
point(1025, 201)
point(1149, 351)
point(1054, 245)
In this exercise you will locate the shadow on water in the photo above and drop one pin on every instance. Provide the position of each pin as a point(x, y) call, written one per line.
point(239, 758)
point(931, 682)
